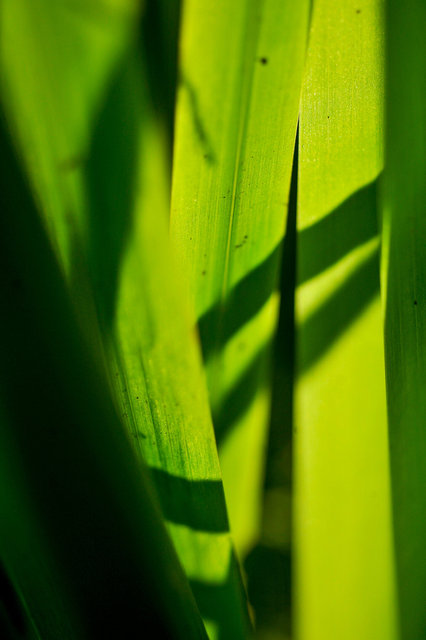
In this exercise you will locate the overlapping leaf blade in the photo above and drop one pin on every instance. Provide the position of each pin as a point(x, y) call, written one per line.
point(240, 77)
point(106, 202)
point(81, 537)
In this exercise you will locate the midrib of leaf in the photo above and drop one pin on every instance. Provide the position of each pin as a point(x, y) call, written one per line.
point(247, 73)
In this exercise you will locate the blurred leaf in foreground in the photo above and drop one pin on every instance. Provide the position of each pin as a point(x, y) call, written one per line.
point(106, 207)
point(81, 537)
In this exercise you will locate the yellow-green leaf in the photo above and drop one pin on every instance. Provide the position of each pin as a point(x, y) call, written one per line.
point(343, 582)
point(404, 284)
point(240, 78)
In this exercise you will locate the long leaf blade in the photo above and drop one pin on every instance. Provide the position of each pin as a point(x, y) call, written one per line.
point(240, 77)
point(81, 535)
point(343, 585)
point(404, 283)
point(109, 210)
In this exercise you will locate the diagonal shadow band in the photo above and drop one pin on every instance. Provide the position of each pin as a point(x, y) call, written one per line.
point(198, 504)
point(325, 242)
point(318, 247)
point(241, 395)
point(243, 302)
point(324, 326)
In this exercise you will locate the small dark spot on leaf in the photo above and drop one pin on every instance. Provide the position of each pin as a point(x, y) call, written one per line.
point(245, 237)
point(328, 117)
point(203, 273)
point(263, 60)
point(238, 246)
point(137, 397)
point(415, 302)
point(358, 11)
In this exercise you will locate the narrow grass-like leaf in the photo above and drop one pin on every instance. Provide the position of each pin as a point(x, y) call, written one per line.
point(81, 537)
point(118, 260)
point(240, 77)
point(342, 526)
point(404, 283)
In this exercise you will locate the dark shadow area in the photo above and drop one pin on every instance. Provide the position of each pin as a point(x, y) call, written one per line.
point(345, 228)
point(198, 504)
point(221, 322)
point(340, 309)
point(60, 433)
point(349, 225)
point(13, 619)
point(269, 568)
point(281, 417)
point(269, 585)
point(354, 222)
point(213, 599)
point(110, 176)
point(240, 396)
point(159, 35)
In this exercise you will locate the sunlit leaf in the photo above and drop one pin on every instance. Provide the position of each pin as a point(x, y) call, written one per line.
point(240, 77)
point(343, 583)
point(404, 283)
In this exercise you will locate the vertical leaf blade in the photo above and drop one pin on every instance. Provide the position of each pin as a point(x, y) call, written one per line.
point(240, 77)
point(342, 526)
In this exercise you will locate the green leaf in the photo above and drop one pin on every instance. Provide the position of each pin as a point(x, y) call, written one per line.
point(344, 586)
point(57, 60)
point(106, 206)
point(240, 78)
point(81, 536)
point(404, 283)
